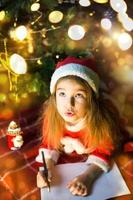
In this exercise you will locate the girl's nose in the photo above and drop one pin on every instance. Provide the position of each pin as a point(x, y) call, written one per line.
point(70, 101)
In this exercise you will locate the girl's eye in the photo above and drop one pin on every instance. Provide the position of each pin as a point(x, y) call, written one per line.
point(79, 95)
point(62, 94)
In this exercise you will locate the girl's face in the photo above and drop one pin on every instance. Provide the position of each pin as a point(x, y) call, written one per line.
point(71, 100)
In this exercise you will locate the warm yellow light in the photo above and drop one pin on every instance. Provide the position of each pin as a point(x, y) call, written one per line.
point(2, 15)
point(101, 1)
point(115, 35)
point(18, 64)
point(3, 97)
point(107, 42)
point(39, 62)
point(55, 16)
point(106, 24)
point(124, 75)
point(124, 41)
point(35, 6)
point(21, 32)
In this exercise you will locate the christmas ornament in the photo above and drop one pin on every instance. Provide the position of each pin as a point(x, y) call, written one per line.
point(14, 136)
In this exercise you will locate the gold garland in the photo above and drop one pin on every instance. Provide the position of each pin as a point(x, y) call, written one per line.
point(4, 60)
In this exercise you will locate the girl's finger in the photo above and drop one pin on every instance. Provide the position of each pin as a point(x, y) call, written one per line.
point(71, 183)
point(49, 176)
point(41, 181)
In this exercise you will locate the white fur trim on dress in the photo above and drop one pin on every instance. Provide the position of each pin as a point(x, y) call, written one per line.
point(49, 154)
point(73, 144)
point(99, 162)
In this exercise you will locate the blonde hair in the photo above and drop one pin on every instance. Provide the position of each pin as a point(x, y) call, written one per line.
point(102, 128)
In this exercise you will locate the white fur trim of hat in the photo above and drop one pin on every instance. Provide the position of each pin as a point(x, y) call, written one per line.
point(83, 68)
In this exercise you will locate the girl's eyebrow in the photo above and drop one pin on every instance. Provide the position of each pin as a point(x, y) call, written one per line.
point(82, 90)
point(60, 88)
point(78, 90)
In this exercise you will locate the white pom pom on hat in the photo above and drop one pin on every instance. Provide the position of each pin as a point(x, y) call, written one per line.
point(84, 68)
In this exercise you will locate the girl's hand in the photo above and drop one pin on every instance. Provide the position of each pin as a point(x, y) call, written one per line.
point(41, 180)
point(82, 184)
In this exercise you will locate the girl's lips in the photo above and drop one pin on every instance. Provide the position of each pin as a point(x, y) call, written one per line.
point(69, 114)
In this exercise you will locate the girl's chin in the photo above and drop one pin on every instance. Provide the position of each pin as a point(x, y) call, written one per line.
point(70, 121)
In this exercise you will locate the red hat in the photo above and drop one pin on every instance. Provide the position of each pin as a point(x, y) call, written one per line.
point(84, 68)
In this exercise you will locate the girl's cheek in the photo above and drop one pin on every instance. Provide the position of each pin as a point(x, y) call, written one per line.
point(60, 102)
point(81, 102)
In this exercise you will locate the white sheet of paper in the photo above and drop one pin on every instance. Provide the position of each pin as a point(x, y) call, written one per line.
point(109, 185)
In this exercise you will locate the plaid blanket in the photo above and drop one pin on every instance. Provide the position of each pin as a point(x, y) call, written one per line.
point(18, 168)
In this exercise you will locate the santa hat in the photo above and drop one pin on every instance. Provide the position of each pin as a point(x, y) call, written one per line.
point(84, 68)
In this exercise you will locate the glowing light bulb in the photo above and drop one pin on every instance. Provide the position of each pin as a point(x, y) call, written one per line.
point(85, 3)
point(55, 16)
point(35, 7)
point(126, 21)
point(18, 64)
point(122, 16)
point(21, 32)
point(128, 24)
point(101, 1)
point(2, 15)
point(106, 24)
point(118, 5)
point(76, 32)
point(124, 41)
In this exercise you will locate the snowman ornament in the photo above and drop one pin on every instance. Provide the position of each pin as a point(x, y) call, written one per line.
point(14, 136)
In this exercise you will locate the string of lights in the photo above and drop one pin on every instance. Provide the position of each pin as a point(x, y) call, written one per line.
point(39, 32)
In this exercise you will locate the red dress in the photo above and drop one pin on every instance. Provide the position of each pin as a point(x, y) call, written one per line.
point(73, 150)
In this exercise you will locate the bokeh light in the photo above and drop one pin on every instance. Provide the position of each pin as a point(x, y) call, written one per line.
point(107, 42)
point(55, 16)
point(101, 1)
point(18, 64)
point(126, 21)
point(76, 32)
point(21, 32)
point(122, 71)
point(3, 97)
point(106, 24)
point(84, 3)
point(115, 35)
point(35, 6)
point(2, 15)
point(124, 75)
point(118, 5)
point(124, 41)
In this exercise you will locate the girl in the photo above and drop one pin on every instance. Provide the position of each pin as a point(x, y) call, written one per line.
point(78, 124)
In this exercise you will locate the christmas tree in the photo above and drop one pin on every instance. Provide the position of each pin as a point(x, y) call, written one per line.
point(35, 34)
